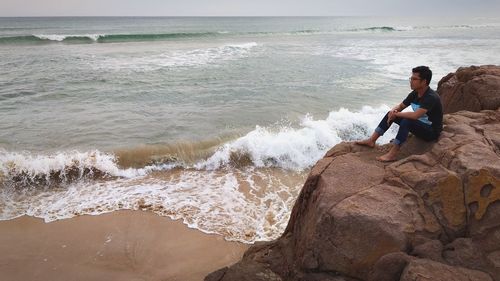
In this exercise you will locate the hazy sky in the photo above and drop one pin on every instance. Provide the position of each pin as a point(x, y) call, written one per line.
point(247, 7)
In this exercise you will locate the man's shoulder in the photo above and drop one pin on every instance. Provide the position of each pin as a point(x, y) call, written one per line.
point(410, 98)
point(431, 92)
point(432, 95)
point(412, 94)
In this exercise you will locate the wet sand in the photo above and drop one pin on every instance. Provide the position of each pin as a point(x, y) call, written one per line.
point(123, 245)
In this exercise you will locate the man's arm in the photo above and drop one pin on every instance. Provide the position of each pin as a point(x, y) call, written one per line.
point(392, 113)
point(411, 115)
point(399, 107)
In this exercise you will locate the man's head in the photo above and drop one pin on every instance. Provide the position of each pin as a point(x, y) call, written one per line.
point(422, 73)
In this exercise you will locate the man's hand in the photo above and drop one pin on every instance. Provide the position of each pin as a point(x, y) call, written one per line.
point(392, 116)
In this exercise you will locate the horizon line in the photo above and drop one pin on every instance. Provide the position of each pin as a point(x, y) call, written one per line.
point(225, 16)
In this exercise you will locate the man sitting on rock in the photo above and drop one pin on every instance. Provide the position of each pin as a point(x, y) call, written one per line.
point(425, 122)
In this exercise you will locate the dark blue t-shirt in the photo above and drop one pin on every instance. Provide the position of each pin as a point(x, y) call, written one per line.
point(430, 101)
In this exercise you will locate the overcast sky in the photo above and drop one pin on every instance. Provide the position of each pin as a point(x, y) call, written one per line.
point(247, 7)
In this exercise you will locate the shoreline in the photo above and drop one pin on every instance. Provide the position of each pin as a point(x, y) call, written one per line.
point(122, 245)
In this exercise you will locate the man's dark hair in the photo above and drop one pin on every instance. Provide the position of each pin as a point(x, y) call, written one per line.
point(424, 73)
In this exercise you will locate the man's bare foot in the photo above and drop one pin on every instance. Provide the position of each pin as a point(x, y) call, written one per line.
point(388, 157)
point(367, 142)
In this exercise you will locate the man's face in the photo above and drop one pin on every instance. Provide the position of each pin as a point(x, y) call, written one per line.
point(416, 82)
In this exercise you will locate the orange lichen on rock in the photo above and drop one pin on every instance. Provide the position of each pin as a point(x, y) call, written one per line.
point(483, 189)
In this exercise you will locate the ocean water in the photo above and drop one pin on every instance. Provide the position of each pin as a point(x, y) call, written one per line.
point(215, 121)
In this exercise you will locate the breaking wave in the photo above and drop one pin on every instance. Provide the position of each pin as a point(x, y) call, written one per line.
point(287, 147)
point(23, 169)
point(299, 148)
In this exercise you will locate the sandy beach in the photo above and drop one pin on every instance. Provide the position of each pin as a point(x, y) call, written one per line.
point(123, 245)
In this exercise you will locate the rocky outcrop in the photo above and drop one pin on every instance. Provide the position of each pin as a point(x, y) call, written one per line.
point(472, 88)
point(432, 215)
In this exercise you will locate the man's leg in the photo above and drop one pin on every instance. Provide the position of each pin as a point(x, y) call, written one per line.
point(419, 129)
point(404, 130)
point(390, 156)
point(423, 131)
point(379, 131)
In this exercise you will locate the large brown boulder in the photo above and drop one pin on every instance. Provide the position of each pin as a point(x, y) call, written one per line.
point(421, 269)
point(432, 215)
point(472, 88)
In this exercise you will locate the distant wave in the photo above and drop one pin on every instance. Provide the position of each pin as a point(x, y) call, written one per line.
point(307, 31)
point(111, 38)
point(381, 29)
point(410, 28)
point(114, 38)
point(101, 38)
point(420, 27)
point(473, 26)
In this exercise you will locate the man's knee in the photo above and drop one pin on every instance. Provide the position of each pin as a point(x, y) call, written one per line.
point(407, 123)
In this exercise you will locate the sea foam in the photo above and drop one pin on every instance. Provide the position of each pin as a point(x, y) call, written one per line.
point(62, 37)
point(27, 169)
point(299, 148)
point(175, 59)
